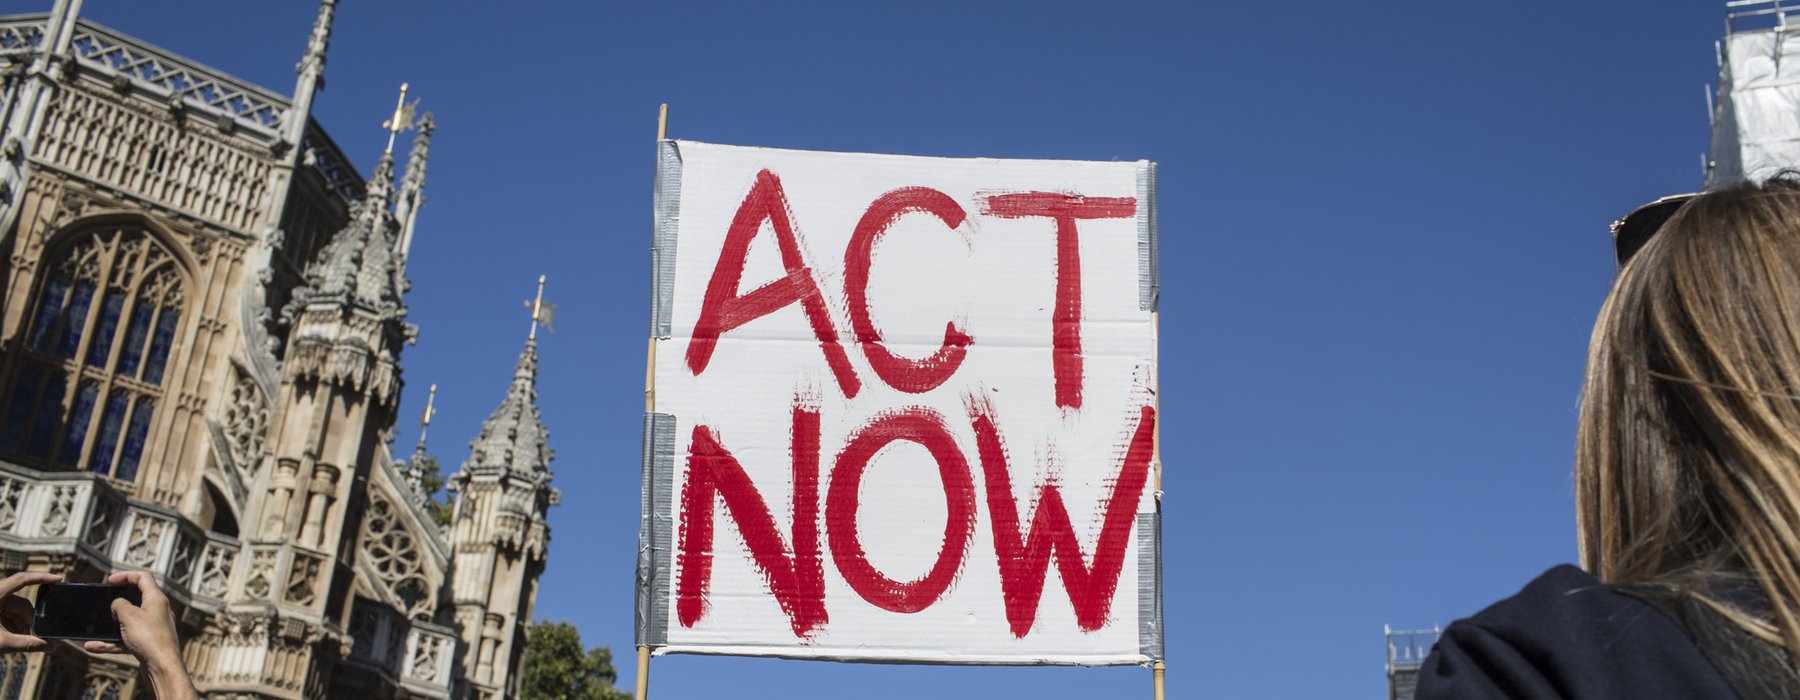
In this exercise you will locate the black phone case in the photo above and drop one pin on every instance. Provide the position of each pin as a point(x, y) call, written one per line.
point(80, 611)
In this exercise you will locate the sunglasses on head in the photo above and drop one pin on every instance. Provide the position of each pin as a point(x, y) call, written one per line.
point(1632, 232)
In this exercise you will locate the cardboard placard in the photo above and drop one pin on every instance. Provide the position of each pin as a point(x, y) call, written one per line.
point(904, 409)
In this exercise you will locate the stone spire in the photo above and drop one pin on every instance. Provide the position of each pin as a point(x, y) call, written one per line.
point(514, 439)
point(313, 61)
point(348, 322)
point(499, 531)
point(414, 472)
point(358, 264)
point(310, 74)
point(412, 188)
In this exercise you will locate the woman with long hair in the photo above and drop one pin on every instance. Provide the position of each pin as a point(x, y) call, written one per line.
point(1687, 477)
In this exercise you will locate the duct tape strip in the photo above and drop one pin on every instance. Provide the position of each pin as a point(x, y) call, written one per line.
point(1149, 275)
point(1150, 618)
point(667, 200)
point(654, 530)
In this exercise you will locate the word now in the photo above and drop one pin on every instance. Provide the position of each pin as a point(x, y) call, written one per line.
point(723, 308)
point(795, 573)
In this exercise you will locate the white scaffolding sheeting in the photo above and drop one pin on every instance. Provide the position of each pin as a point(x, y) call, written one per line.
point(1756, 119)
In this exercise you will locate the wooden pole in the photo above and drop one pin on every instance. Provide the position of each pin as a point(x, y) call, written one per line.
point(1156, 675)
point(643, 652)
point(643, 676)
point(650, 380)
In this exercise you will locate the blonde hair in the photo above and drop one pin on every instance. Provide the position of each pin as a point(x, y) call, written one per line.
point(1687, 460)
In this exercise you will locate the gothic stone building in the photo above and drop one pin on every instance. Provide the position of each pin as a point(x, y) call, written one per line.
point(204, 309)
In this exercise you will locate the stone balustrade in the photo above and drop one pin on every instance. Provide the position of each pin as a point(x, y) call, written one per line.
point(418, 654)
point(82, 515)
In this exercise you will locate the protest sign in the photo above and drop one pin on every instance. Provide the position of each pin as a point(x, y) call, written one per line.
point(902, 409)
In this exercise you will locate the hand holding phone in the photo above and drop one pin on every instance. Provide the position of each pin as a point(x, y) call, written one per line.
point(16, 618)
point(81, 611)
point(147, 626)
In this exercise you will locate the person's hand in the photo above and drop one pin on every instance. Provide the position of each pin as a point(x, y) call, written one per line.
point(148, 631)
point(16, 614)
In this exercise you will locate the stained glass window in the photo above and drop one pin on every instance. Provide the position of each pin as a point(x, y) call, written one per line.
point(18, 414)
point(75, 319)
point(133, 352)
point(49, 408)
point(134, 440)
point(101, 334)
point(159, 346)
point(101, 460)
point(55, 293)
point(78, 423)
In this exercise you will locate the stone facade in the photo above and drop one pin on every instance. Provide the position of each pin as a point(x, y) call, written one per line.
point(204, 312)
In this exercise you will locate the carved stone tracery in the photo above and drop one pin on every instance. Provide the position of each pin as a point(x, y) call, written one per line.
point(144, 540)
point(131, 147)
point(260, 580)
point(303, 580)
point(390, 548)
point(246, 423)
point(61, 508)
point(12, 496)
point(215, 569)
point(426, 657)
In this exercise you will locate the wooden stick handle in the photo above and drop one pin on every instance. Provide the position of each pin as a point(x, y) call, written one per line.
point(643, 675)
point(1156, 676)
point(643, 653)
point(650, 379)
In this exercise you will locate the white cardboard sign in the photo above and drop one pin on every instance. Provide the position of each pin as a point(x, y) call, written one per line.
point(904, 409)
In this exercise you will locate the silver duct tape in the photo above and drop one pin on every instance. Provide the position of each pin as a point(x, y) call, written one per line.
point(667, 200)
point(654, 544)
point(1149, 275)
point(1150, 618)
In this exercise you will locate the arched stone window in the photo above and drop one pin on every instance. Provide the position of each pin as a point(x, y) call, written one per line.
point(97, 345)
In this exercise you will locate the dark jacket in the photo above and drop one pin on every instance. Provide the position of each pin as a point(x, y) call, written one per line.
point(1568, 636)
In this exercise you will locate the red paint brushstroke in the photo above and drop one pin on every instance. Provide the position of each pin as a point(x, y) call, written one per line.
point(723, 309)
point(1065, 209)
point(1024, 560)
point(911, 376)
point(925, 427)
point(795, 577)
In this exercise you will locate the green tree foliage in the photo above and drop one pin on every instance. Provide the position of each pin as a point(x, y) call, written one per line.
point(557, 667)
point(433, 482)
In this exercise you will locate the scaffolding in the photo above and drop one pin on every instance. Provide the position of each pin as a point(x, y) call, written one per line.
point(1750, 15)
point(1754, 133)
point(1406, 652)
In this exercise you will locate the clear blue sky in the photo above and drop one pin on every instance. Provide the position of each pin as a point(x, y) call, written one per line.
point(1384, 240)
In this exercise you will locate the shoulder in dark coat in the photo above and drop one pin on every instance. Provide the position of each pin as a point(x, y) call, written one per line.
point(1568, 636)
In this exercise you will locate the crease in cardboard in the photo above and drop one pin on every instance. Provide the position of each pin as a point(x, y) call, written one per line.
point(652, 610)
point(667, 198)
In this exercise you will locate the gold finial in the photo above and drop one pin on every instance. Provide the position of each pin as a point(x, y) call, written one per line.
point(430, 408)
point(425, 419)
point(402, 119)
point(541, 311)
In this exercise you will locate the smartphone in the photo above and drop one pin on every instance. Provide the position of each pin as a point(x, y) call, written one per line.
point(80, 611)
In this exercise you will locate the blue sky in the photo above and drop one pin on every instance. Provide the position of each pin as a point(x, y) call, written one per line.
point(1383, 238)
